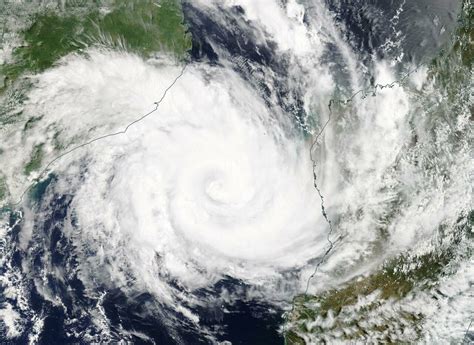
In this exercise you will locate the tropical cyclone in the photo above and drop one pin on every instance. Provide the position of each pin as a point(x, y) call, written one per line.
point(212, 183)
point(215, 168)
point(209, 201)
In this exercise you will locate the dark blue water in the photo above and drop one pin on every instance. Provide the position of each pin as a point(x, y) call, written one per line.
point(242, 322)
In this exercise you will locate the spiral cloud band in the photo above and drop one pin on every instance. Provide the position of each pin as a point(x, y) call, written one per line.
point(175, 192)
point(210, 185)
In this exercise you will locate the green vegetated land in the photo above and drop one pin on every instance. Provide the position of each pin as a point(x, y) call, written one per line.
point(394, 281)
point(143, 27)
point(454, 64)
point(140, 26)
point(452, 73)
point(36, 159)
point(3, 188)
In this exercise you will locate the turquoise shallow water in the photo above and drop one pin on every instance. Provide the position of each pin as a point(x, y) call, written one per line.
point(88, 263)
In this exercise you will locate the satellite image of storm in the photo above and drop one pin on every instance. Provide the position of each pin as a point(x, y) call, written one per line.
point(236, 172)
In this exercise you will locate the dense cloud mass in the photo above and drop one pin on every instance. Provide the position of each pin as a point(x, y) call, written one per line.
point(215, 196)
